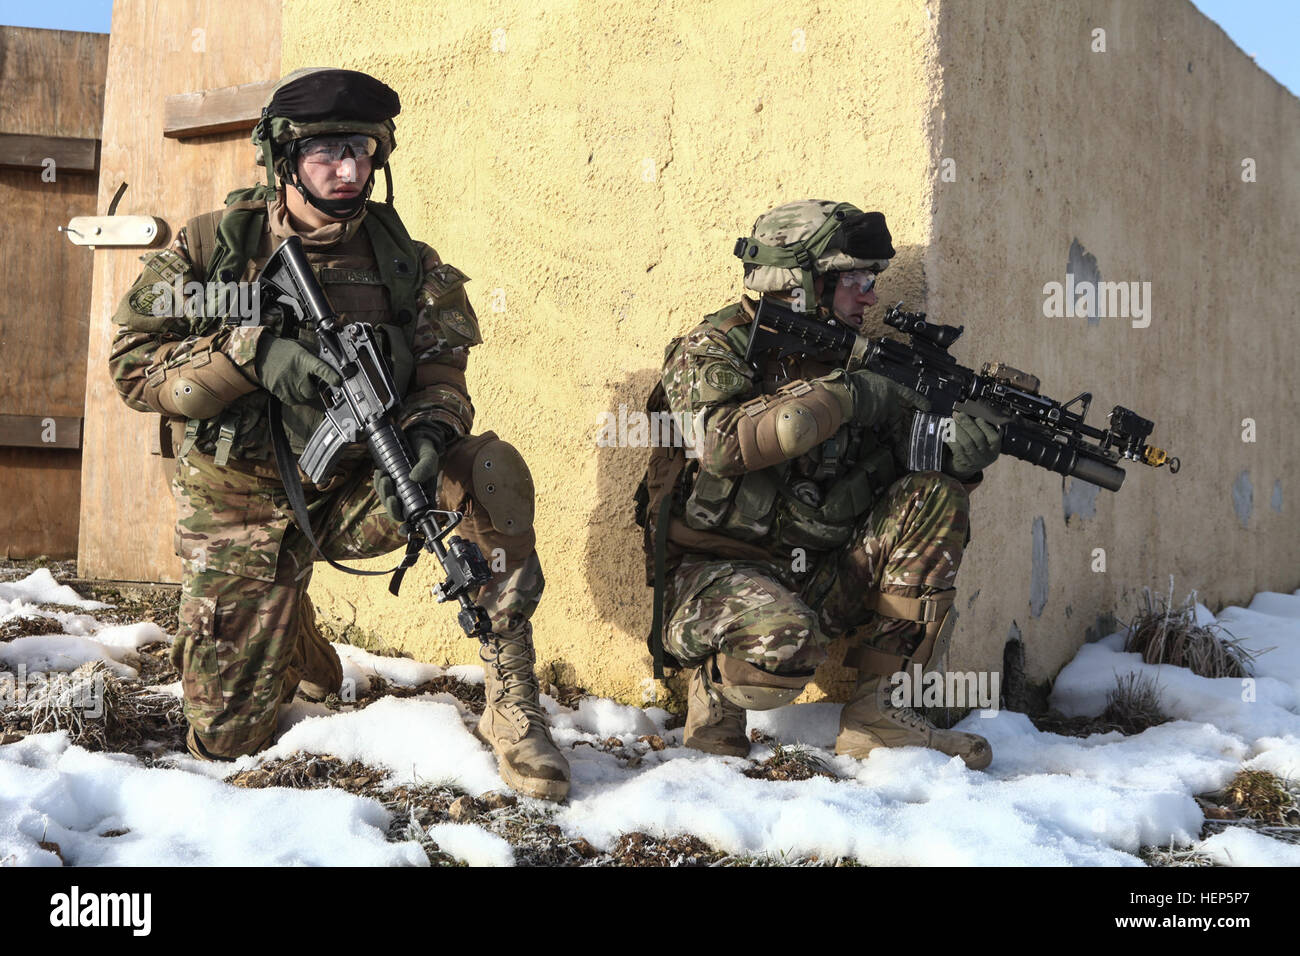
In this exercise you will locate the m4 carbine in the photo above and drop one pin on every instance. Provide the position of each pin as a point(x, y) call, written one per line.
point(364, 409)
point(1034, 428)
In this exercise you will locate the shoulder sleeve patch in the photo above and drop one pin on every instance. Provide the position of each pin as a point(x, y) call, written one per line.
point(443, 278)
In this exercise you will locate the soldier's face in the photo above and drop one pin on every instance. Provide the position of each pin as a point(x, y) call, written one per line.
point(340, 178)
point(854, 292)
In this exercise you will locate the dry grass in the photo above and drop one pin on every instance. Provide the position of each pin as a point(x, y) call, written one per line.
point(1262, 796)
point(99, 710)
point(796, 762)
point(1165, 634)
point(1132, 706)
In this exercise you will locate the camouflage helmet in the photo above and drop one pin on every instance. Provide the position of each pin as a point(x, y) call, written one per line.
point(792, 244)
point(318, 101)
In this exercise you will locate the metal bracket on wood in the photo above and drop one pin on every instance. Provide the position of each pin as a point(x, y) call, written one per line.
point(114, 230)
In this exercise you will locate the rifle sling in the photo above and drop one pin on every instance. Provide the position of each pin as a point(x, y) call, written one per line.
point(661, 574)
point(288, 468)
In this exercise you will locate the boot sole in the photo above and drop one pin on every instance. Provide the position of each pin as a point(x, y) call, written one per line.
point(980, 762)
point(553, 790)
point(720, 750)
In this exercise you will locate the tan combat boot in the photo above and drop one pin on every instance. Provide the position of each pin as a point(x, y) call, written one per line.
point(722, 689)
point(713, 723)
point(871, 719)
point(515, 726)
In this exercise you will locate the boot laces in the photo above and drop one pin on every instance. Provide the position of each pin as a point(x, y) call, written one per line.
point(516, 679)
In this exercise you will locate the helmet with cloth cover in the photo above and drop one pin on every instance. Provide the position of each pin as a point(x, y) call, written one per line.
point(793, 244)
point(324, 101)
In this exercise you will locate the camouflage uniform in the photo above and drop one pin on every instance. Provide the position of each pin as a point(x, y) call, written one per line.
point(780, 614)
point(798, 520)
point(243, 640)
point(247, 635)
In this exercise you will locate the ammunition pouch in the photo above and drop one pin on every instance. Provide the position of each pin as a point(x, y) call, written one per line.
point(741, 507)
point(831, 525)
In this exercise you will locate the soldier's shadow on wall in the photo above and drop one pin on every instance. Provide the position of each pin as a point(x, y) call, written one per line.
point(615, 560)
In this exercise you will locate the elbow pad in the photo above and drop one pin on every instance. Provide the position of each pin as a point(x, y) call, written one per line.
point(802, 415)
point(201, 387)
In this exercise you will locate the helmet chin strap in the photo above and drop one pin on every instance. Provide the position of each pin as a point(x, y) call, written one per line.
point(342, 209)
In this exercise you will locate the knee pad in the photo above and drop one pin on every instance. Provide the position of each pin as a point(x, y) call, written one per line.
point(487, 479)
point(503, 486)
point(752, 687)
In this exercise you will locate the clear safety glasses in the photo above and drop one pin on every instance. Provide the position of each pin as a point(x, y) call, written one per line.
point(330, 149)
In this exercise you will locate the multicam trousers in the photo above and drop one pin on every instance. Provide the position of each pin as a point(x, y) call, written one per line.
point(781, 619)
point(247, 634)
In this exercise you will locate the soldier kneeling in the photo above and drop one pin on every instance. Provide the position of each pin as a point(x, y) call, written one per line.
point(793, 518)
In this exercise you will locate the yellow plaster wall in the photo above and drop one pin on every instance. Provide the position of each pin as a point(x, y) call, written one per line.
point(590, 165)
point(596, 168)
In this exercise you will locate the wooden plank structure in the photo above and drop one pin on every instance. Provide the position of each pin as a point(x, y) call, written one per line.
point(70, 153)
point(230, 109)
point(157, 51)
point(51, 107)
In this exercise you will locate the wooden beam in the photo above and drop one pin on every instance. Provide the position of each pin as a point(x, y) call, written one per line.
point(22, 151)
point(36, 431)
point(223, 110)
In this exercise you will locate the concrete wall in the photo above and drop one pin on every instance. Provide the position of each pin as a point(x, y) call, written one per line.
point(1134, 157)
point(590, 165)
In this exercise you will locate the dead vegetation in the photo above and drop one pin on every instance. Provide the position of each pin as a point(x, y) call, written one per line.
point(795, 762)
point(1165, 634)
point(1132, 706)
point(99, 710)
point(1263, 797)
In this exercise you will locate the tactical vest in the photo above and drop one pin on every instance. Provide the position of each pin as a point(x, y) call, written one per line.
point(373, 276)
point(813, 502)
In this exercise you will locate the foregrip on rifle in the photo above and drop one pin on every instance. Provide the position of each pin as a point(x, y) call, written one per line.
point(390, 454)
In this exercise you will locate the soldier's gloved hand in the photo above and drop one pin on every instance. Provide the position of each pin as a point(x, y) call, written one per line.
point(426, 446)
point(290, 372)
point(875, 396)
point(975, 445)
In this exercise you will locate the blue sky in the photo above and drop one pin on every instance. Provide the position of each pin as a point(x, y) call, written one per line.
point(1270, 29)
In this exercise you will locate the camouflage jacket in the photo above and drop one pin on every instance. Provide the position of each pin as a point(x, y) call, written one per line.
point(428, 350)
point(810, 502)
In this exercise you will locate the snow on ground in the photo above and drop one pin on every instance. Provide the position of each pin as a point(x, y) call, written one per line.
point(472, 844)
point(52, 792)
point(1046, 800)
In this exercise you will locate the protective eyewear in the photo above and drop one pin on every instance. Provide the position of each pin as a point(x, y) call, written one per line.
point(331, 149)
point(861, 281)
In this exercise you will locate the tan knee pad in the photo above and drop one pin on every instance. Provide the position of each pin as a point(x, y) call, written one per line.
point(752, 687)
point(489, 480)
point(503, 485)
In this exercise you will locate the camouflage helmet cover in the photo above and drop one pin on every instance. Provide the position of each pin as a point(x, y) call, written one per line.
point(792, 244)
point(316, 101)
